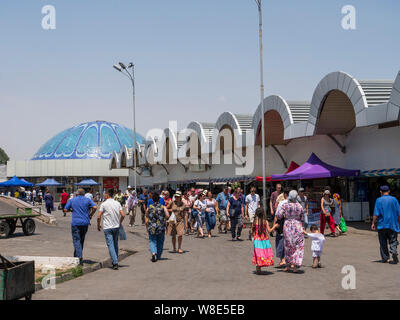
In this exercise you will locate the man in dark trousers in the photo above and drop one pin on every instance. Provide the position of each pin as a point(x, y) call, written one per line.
point(387, 216)
point(83, 210)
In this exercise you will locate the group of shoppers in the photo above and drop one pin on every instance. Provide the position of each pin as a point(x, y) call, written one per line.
point(187, 212)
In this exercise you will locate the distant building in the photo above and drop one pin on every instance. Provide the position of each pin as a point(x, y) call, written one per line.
point(83, 151)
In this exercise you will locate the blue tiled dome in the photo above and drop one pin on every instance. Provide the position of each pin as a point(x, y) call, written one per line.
point(90, 140)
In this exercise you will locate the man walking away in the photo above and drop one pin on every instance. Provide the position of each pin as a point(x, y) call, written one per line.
point(113, 215)
point(387, 214)
point(82, 209)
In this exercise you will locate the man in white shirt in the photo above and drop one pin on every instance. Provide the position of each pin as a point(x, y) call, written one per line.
point(252, 203)
point(113, 215)
point(89, 195)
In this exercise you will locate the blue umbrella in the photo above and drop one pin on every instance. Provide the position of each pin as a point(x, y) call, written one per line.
point(87, 182)
point(49, 183)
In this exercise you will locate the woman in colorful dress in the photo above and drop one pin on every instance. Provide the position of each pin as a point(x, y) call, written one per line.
point(293, 213)
point(211, 213)
point(177, 221)
point(263, 255)
point(155, 220)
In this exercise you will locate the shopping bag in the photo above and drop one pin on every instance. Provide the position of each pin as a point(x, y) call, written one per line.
point(122, 234)
point(342, 225)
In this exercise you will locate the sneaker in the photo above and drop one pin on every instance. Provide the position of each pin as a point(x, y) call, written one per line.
point(115, 266)
point(395, 259)
point(153, 258)
point(238, 239)
point(81, 261)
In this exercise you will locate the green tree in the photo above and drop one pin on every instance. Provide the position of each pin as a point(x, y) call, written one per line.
point(3, 157)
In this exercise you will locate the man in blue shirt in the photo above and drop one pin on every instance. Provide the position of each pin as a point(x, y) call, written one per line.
point(83, 210)
point(387, 214)
point(222, 200)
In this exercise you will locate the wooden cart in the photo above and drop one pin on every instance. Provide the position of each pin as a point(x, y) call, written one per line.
point(9, 223)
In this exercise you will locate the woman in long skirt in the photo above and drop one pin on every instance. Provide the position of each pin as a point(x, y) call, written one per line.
point(293, 213)
point(263, 255)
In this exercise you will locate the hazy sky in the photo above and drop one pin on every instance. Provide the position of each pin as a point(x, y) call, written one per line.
point(195, 59)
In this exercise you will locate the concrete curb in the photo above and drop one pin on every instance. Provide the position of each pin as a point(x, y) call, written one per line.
point(106, 263)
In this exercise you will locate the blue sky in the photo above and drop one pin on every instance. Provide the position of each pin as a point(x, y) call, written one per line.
point(195, 59)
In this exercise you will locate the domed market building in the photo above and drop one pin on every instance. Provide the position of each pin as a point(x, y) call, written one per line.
point(81, 152)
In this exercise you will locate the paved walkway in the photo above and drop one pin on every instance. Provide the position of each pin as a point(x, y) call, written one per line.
point(218, 268)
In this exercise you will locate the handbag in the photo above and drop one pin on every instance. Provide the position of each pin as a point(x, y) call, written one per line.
point(342, 225)
point(172, 218)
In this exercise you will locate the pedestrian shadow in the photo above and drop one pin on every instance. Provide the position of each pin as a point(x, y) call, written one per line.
point(291, 272)
point(89, 262)
point(263, 273)
point(176, 252)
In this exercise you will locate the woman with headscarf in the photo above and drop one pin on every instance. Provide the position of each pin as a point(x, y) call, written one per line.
point(293, 213)
point(177, 221)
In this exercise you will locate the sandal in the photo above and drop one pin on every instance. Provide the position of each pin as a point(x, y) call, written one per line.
point(180, 251)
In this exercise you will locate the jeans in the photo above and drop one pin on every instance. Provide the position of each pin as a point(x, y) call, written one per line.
point(280, 246)
point(236, 222)
point(112, 243)
point(157, 244)
point(78, 239)
point(387, 236)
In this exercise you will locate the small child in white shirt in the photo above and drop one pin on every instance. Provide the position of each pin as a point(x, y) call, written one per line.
point(318, 240)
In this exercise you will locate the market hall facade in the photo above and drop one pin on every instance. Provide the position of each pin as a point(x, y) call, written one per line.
point(348, 123)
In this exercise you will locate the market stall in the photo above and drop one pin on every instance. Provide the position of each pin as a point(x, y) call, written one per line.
point(315, 176)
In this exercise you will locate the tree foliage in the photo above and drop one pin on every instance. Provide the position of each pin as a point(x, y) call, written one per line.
point(3, 157)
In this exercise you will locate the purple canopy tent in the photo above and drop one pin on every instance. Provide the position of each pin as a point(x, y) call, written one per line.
point(315, 168)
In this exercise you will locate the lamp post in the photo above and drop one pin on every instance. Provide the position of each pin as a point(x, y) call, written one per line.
point(259, 4)
point(131, 75)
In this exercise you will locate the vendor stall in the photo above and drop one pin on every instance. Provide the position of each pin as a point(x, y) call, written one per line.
point(316, 176)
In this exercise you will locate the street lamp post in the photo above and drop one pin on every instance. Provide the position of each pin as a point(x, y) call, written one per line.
point(131, 75)
point(259, 4)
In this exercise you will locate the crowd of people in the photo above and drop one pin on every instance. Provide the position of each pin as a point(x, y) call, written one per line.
point(187, 212)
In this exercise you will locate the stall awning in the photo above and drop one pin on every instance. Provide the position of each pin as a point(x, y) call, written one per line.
point(15, 182)
point(49, 183)
point(293, 166)
point(315, 168)
point(381, 173)
point(87, 182)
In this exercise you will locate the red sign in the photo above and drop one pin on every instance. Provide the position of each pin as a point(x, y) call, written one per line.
point(111, 183)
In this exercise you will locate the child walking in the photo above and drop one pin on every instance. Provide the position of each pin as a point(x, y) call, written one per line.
point(317, 243)
point(263, 255)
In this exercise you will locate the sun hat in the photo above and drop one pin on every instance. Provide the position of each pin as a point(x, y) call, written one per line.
point(178, 194)
point(327, 192)
point(301, 190)
point(205, 193)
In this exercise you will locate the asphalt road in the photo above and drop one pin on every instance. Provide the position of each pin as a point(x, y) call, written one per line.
point(218, 268)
